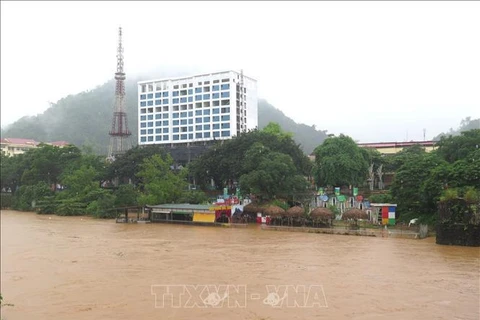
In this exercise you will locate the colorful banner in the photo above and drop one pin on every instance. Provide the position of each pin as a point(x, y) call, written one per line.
point(355, 192)
point(337, 191)
point(225, 193)
point(320, 192)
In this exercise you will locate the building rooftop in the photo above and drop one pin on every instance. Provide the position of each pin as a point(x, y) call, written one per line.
point(193, 76)
point(20, 141)
point(395, 144)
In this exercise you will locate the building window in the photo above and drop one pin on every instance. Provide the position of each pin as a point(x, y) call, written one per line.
point(150, 131)
point(158, 130)
point(175, 137)
point(183, 137)
point(190, 121)
point(165, 138)
point(197, 113)
point(183, 100)
point(206, 96)
point(198, 90)
point(216, 81)
point(183, 92)
point(215, 88)
point(175, 115)
point(158, 138)
point(215, 118)
point(216, 111)
point(198, 104)
point(190, 136)
point(158, 123)
point(225, 125)
point(225, 102)
point(158, 116)
point(144, 88)
point(143, 131)
point(198, 120)
point(165, 122)
point(190, 99)
point(190, 113)
point(198, 135)
point(150, 138)
point(190, 128)
point(198, 97)
point(158, 95)
point(183, 121)
point(150, 124)
point(216, 96)
point(175, 100)
point(206, 89)
point(143, 139)
point(190, 91)
point(206, 134)
point(215, 103)
point(143, 97)
point(206, 112)
point(165, 130)
point(216, 126)
point(216, 134)
point(175, 93)
point(150, 117)
point(165, 101)
point(183, 129)
point(165, 115)
point(226, 94)
point(183, 114)
point(225, 80)
point(226, 117)
point(150, 96)
point(198, 127)
point(175, 86)
point(206, 119)
point(143, 118)
point(143, 125)
point(158, 102)
point(175, 130)
point(175, 122)
point(143, 104)
point(225, 86)
point(206, 127)
point(225, 110)
point(143, 111)
point(226, 133)
point(165, 94)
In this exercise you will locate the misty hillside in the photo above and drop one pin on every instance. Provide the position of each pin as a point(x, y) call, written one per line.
point(465, 125)
point(85, 119)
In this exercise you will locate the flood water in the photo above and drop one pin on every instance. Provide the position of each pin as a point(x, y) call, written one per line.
point(81, 268)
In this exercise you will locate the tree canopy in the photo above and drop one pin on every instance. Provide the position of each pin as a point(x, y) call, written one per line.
point(340, 162)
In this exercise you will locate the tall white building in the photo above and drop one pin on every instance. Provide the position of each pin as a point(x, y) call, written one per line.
point(196, 108)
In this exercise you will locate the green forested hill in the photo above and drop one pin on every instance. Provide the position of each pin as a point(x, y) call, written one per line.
point(85, 119)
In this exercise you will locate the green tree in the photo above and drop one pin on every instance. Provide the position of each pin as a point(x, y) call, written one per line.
point(160, 184)
point(340, 162)
point(271, 174)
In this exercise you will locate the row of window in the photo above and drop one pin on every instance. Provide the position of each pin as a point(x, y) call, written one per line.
point(186, 92)
point(185, 136)
point(164, 85)
point(198, 97)
point(185, 114)
point(185, 121)
point(205, 127)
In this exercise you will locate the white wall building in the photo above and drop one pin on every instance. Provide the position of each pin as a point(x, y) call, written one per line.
point(196, 108)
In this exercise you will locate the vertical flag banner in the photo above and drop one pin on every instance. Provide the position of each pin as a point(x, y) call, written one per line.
point(337, 191)
point(355, 192)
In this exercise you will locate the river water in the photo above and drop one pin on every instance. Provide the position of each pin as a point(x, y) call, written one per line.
point(81, 268)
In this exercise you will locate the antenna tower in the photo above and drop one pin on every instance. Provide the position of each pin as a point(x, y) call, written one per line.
point(119, 134)
point(241, 125)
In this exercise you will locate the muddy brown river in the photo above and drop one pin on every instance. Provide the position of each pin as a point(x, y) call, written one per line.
point(80, 268)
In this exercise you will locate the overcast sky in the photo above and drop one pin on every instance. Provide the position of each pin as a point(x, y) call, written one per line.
point(377, 71)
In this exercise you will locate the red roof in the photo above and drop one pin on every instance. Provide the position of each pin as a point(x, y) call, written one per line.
point(396, 144)
point(20, 141)
point(60, 143)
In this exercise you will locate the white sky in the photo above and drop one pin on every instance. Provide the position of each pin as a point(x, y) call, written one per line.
point(377, 71)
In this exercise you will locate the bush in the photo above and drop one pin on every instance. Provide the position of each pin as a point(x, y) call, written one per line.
point(103, 208)
point(126, 196)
